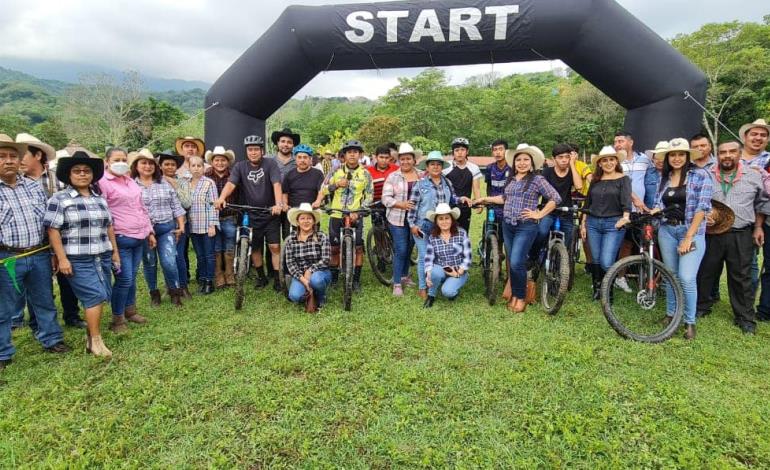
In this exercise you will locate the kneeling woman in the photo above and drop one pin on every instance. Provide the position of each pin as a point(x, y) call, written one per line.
point(80, 230)
point(307, 255)
point(447, 254)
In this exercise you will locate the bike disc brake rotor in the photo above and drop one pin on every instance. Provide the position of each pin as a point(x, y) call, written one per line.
point(646, 300)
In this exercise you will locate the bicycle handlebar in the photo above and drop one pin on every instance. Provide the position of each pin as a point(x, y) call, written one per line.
point(243, 208)
point(363, 210)
point(643, 218)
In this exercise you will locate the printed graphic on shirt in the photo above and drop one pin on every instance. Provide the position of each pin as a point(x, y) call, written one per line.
point(255, 176)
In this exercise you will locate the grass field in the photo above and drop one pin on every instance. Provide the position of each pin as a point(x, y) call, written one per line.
point(388, 385)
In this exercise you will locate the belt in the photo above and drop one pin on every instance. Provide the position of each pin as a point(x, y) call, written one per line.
point(21, 251)
point(742, 229)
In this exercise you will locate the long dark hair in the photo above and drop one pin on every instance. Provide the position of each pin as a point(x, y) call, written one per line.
point(435, 231)
point(599, 172)
point(156, 175)
point(666, 173)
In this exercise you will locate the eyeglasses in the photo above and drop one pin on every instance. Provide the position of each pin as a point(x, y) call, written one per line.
point(81, 171)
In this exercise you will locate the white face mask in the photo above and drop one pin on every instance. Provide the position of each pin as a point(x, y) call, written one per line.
point(119, 168)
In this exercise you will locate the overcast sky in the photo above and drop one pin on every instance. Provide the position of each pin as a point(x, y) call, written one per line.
point(199, 39)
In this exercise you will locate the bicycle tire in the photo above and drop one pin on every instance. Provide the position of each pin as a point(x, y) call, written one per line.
point(554, 279)
point(241, 270)
point(574, 257)
point(492, 268)
point(348, 256)
point(626, 265)
point(375, 253)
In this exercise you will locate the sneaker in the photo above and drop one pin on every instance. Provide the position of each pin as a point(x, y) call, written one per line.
point(621, 284)
point(397, 291)
point(407, 281)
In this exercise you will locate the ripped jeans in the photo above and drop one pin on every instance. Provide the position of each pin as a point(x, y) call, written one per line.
point(166, 251)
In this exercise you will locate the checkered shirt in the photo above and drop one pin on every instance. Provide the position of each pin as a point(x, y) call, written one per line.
point(313, 254)
point(700, 187)
point(455, 252)
point(82, 221)
point(21, 214)
point(202, 214)
point(516, 199)
point(161, 201)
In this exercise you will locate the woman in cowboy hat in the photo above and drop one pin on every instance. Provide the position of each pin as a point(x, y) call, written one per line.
point(204, 222)
point(85, 255)
point(224, 241)
point(520, 214)
point(448, 254)
point(685, 190)
point(609, 206)
point(395, 197)
point(169, 163)
point(308, 254)
point(168, 220)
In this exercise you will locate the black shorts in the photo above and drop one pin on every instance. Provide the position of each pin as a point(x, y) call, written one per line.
point(335, 226)
point(265, 229)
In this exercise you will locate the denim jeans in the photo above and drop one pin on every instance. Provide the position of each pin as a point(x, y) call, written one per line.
point(567, 225)
point(685, 267)
point(402, 250)
point(225, 237)
point(181, 256)
point(204, 252)
point(604, 239)
point(518, 241)
point(164, 234)
point(33, 276)
point(69, 303)
point(763, 309)
point(91, 278)
point(422, 248)
point(450, 286)
point(124, 288)
point(319, 282)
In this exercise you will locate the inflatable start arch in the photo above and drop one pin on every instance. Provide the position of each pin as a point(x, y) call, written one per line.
point(597, 38)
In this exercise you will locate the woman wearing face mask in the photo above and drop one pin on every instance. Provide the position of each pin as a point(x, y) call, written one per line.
point(169, 164)
point(204, 222)
point(520, 214)
point(448, 255)
point(132, 227)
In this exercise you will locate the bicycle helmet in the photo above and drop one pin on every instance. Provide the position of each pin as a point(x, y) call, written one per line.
point(254, 140)
point(460, 142)
point(352, 144)
point(302, 148)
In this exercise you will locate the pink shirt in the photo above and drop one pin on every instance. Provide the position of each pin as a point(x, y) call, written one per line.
point(124, 199)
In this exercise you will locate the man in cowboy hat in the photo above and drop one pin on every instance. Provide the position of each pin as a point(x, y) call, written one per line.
point(284, 141)
point(188, 147)
point(705, 158)
point(465, 177)
point(755, 136)
point(740, 189)
point(25, 259)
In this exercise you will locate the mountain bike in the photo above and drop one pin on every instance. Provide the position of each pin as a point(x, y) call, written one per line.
point(490, 250)
point(242, 258)
point(555, 266)
point(379, 246)
point(348, 250)
point(574, 247)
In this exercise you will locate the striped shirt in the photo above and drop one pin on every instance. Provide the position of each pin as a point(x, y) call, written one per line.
point(454, 252)
point(699, 189)
point(745, 195)
point(161, 201)
point(760, 161)
point(202, 213)
point(82, 221)
point(48, 181)
point(313, 254)
point(22, 208)
point(636, 169)
point(517, 199)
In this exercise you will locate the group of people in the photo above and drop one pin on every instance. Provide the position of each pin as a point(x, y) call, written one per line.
point(91, 223)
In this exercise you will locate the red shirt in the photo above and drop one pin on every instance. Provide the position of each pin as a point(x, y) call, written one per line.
point(378, 179)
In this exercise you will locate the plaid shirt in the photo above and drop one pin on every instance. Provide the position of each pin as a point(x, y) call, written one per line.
point(455, 252)
point(760, 161)
point(312, 254)
point(82, 221)
point(746, 195)
point(161, 202)
point(48, 181)
point(202, 214)
point(516, 199)
point(221, 182)
point(22, 208)
point(698, 197)
point(395, 189)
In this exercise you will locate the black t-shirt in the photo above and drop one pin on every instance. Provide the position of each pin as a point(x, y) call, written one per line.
point(302, 187)
point(675, 196)
point(563, 186)
point(255, 183)
point(462, 180)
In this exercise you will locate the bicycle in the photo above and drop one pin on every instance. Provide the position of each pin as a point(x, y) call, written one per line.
point(242, 258)
point(490, 251)
point(574, 247)
point(556, 266)
point(347, 250)
point(639, 315)
point(379, 246)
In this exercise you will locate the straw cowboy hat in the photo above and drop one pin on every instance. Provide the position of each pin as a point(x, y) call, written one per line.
point(304, 208)
point(433, 156)
point(442, 209)
point(65, 164)
point(6, 141)
point(538, 158)
point(723, 217)
point(32, 141)
point(608, 151)
point(141, 154)
point(747, 127)
point(220, 151)
point(674, 145)
point(169, 155)
point(198, 143)
point(285, 132)
point(405, 148)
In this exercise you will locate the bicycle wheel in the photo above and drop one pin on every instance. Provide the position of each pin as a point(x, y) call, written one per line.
point(241, 269)
point(491, 268)
point(283, 274)
point(379, 251)
point(639, 315)
point(554, 279)
point(348, 257)
point(574, 256)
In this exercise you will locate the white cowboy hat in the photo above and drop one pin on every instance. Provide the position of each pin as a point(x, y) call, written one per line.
point(6, 141)
point(304, 208)
point(660, 148)
point(675, 145)
point(32, 141)
point(141, 154)
point(441, 209)
point(608, 151)
point(405, 148)
point(538, 158)
point(747, 127)
point(219, 151)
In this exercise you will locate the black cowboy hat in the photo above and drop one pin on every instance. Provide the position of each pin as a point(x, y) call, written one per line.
point(286, 132)
point(65, 164)
point(169, 155)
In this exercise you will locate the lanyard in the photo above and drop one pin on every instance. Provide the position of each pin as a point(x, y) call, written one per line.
point(727, 184)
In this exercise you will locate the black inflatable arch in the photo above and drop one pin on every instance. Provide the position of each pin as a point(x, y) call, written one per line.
point(597, 38)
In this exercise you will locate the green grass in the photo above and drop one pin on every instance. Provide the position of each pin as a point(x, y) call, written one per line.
point(387, 385)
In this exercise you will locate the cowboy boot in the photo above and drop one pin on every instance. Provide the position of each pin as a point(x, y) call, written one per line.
point(155, 298)
point(689, 332)
point(261, 277)
point(95, 346)
point(219, 273)
point(133, 316)
point(176, 297)
point(186, 292)
point(118, 324)
point(229, 273)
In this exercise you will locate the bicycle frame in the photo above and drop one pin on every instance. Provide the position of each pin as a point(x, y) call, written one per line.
point(491, 225)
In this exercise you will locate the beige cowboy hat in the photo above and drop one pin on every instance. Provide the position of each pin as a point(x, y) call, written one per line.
point(198, 143)
point(723, 218)
point(141, 154)
point(32, 141)
point(537, 155)
point(608, 151)
point(441, 209)
point(6, 141)
point(747, 127)
point(404, 148)
point(219, 151)
point(304, 208)
point(675, 145)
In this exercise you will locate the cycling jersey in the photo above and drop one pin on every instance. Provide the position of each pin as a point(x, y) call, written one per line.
point(357, 193)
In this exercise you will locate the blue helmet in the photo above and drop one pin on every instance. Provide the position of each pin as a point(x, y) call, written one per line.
point(302, 148)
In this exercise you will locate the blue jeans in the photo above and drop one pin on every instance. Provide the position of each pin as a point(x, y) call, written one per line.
point(450, 286)
point(181, 259)
point(518, 241)
point(204, 252)
point(763, 309)
point(33, 276)
point(124, 288)
point(319, 282)
point(402, 250)
point(604, 239)
point(544, 229)
point(225, 237)
point(685, 267)
point(422, 247)
point(164, 234)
